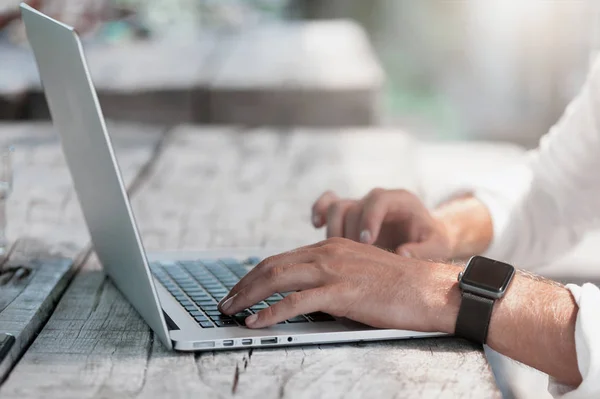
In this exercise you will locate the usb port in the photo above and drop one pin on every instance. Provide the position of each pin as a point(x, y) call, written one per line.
point(268, 341)
point(246, 342)
point(228, 342)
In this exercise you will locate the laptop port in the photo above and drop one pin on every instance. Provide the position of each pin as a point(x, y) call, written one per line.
point(228, 342)
point(246, 342)
point(205, 344)
point(268, 341)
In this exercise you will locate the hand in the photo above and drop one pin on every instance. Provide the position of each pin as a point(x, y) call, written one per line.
point(348, 279)
point(392, 219)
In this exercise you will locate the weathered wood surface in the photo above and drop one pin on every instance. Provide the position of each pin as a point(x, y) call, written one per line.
point(314, 73)
point(43, 207)
point(29, 294)
point(228, 187)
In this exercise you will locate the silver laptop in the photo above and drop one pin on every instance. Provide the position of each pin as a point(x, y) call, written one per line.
point(175, 293)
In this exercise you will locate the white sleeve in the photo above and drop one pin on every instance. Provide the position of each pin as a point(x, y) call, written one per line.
point(587, 344)
point(544, 205)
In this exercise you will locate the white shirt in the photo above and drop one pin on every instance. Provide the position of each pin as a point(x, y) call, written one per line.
point(542, 208)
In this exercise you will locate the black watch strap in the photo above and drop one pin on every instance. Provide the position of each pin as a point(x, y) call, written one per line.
point(474, 317)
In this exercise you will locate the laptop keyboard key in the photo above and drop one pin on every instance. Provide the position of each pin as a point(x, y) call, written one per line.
point(244, 313)
point(297, 319)
point(259, 307)
point(320, 316)
point(214, 313)
point(206, 324)
point(205, 302)
point(226, 323)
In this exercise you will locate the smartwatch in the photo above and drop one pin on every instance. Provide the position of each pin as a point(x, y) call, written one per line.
point(482, 282)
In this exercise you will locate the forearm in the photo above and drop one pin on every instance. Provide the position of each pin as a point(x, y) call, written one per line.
point(468, 225)
point(534, 324)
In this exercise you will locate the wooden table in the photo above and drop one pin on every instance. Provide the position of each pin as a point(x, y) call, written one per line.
point(196, 188)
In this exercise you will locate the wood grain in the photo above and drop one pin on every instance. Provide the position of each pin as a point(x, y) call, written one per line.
point(45, 220)
point(216, 187)
point(28, 296)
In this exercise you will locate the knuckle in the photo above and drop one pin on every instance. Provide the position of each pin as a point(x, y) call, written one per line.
point(294, 300)
point(403, 193)
point(275, 272)
point(335, 242)
point(269, 312)
point(334, 208)
point(376, 193)
point(334, 246)
point(354, 209)
point(264, 264)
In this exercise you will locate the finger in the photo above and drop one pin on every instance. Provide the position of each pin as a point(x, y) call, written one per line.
point(352, 222)
point(427, 250)
point(278, 279)
point(376, 206)
point(336, 215)
point(293, 305)
point(299, 255)
point(320, 207)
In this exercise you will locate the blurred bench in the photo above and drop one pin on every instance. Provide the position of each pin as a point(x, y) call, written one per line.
point(320, 73)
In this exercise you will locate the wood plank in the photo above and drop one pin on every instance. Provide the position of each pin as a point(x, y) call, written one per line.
point(43, 207)
point(26, 302)
point(43, 203)
point(215, 187)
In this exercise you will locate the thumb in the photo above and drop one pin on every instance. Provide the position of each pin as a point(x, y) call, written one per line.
point(425, 250)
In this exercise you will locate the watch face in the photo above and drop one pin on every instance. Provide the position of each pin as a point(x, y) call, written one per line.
point(488, 274)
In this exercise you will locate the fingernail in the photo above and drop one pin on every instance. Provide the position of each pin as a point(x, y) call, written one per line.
point(365, 237)
point(227, 304)
point(222, 301)
point(251, 320)
point(316, 219)
point(405, 253)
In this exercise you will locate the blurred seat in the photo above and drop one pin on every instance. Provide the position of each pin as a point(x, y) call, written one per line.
point(320, 73)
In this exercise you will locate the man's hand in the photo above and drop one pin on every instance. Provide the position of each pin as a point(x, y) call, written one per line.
point(348, 279)
point(379, 288)
point(392, 219)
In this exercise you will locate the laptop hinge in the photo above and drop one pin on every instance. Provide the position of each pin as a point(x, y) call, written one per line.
point(170, 323)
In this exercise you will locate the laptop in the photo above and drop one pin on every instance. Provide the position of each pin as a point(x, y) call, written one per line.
point(175, 293)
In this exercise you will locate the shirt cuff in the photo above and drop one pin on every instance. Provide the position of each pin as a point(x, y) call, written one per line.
point(499, 192)
point(587, 345)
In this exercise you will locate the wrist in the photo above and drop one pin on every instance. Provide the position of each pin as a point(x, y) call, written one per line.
point(445, 298)
point(467, 225)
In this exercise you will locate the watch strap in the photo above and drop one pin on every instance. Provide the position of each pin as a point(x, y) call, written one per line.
point(474, 317)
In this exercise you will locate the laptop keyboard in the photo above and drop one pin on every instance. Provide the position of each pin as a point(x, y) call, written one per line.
point(199, 286)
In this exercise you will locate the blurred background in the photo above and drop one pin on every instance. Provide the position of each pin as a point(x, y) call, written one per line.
point(499, 69)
